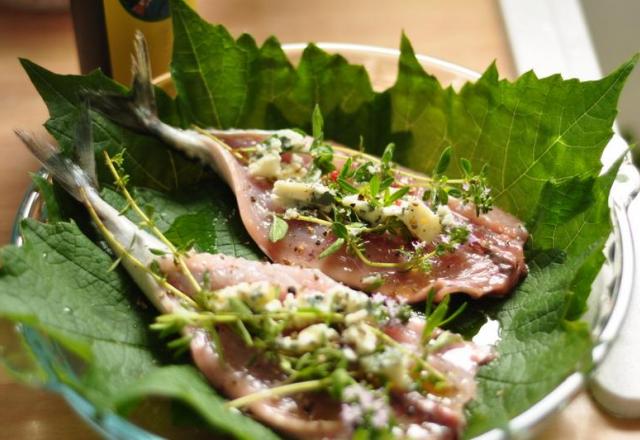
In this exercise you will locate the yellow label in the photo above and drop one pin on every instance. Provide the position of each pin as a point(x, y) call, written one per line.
point(123, 18)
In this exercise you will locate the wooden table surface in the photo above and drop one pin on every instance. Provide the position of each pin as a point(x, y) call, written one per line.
point(454, 30)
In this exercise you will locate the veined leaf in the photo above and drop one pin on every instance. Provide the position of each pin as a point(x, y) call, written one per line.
point(540, 138)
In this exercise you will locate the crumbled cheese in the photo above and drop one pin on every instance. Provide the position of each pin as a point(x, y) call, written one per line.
point(362, 208)
point(317, 300)
point(295, 169)
point(349, 354)
point(446, 216)
point(267, 162)
point(255, 295)
point(349, 300)
point(267, 166)
point(274, 143)
point(290, 191)
point(414, 213)
point(295, 140)
point(258, 295)
point(391, 363)
point(308, 339)
point(291, 214)
point(361, 338)
point(354, 317)
point(420, 220)
point(275, 305)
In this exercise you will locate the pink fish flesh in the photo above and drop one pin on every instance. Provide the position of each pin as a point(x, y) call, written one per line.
point(316, 415)
point(490, 263)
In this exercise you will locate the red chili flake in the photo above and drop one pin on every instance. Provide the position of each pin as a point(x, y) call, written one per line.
point(333, 175)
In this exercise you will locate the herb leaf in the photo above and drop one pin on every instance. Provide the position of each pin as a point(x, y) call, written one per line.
point(443, 162)
point(332, 248)
point(278, 230)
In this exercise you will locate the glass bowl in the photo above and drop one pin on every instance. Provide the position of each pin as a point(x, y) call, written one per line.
point(608, 302)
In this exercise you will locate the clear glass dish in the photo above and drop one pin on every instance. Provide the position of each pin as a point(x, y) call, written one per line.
point(608, 302)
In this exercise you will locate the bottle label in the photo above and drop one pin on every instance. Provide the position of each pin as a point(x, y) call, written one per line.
point(147, 10)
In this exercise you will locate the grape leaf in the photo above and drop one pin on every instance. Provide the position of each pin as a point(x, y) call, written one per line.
point(149, 162)
point(540, 137)
point(59, 282)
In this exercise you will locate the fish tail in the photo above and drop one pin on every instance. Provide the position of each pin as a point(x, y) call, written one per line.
point(137, 110)
point(84, 155)
point(63, 170)
point(74, 175)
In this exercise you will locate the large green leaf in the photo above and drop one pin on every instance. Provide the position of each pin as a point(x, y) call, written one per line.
point(59, 282)
point(541, 139)
point(529, 131)
point(210, 69)
point(149, 162)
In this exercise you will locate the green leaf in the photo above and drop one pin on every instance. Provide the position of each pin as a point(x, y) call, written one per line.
point(527, 131)
point(538, 346)
point(317, 124)
point(215, 92)
point(340, 230)
point(387, 154)
point(540, 138)
point(374, 185)
point(184, 383)
point(278, 229)
point(346, 171)
point(346, 186)
point(46, 284)
point(396, 195)
point(323, 157)
point(465, 166)
point(443, 162)
point(164, 169)
point(197, 228)
point(105, 324)
point(45, 188)
point(332, 248)
point(435, 318)
point(220, 229)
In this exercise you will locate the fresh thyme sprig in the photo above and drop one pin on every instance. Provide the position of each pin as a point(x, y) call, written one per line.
point(325, 366)
point(369, 195)
point(472, 188)
point(153, 269)
point(146, 221)
point(319, 365)
point(124, 254)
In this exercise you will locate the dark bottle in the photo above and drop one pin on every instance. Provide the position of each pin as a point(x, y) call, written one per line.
point(91, 35)
point(105, 30)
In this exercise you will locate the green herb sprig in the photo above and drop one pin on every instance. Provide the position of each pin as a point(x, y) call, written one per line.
point(376, 184)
